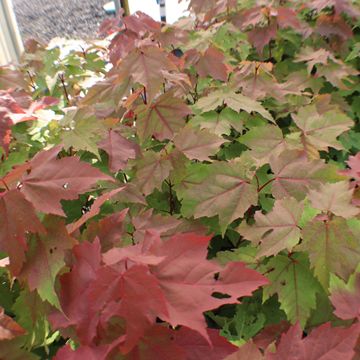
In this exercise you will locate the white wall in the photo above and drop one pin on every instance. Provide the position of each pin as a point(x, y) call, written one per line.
point(10, 41)
point(174, 10)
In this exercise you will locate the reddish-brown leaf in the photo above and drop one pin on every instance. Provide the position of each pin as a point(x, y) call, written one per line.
point(45, 259)
point(17, 217)
point(145, 66)
point(346, 298)
point(187, 280)
point(324, 342)
point(119, 149)
point(249, 351)
point(211, 63)
point(51, 180)
point(163, 118)
point(9, 329)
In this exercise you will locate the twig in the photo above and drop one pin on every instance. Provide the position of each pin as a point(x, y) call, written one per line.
point(61, 77)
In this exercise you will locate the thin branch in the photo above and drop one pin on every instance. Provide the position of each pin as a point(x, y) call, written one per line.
point(5, 184)
point(171, 198)
point(62, 79)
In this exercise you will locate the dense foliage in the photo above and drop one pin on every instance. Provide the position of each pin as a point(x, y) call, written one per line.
point(187, 191)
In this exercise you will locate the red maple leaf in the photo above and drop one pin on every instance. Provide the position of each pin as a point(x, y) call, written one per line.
point(324, 342)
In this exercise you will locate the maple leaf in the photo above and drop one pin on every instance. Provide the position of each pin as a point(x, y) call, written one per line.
point(187, 302)
point(249, 351)
point(108, 230)
point(163, 118)
point(340, 6)
point(11, 79)
point(77, 284)
point(197, 144)
point(261, 36)
point(146, 66)
point(140, 290)
point(211, 63)
point(263, 141)
point(83, 131)
point(83, 352)
point(201, 6)
point(330, 25)
point(45, 258)
point(9, 329)
point(51, 180)
point(226, 192)
point(152, 170)
point(120, 150)
point(196, 347)
point(332, 246)
point(354, 171)
point(323, 342)
point(235, 101)
point(346, 297)
point(291, 279)
point(321, 130)
point(277, 230)
point(219, 123)
point(335, 198)
point(17, 217)
point(147, 221)
point(295, 175)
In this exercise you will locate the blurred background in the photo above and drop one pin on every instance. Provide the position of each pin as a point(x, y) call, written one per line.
point(43, 20)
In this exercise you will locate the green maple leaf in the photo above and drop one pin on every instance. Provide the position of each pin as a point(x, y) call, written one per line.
point(277, 230)
point(219, 123)
point(322, 130)
point(263, 141)
point(45, 259)
point(333, 247)
point(295, 285)
point(226, 192)
point(31, 313)
point(82, 132)
point(234, 101)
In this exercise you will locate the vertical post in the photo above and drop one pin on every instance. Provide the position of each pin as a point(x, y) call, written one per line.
point(125, 5)
point(11, 46)
point(162, 4)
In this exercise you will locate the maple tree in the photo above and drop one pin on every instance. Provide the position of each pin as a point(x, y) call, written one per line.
point(186, 191)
